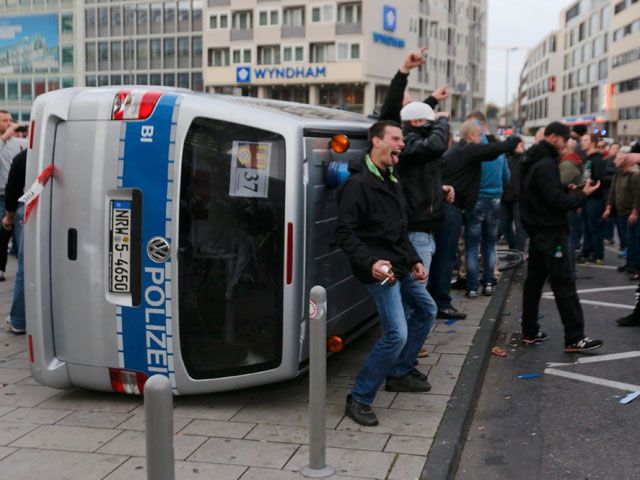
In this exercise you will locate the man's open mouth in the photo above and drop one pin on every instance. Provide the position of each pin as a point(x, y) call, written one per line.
point(395, 156)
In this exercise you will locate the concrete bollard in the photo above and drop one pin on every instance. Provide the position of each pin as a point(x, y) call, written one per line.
point(317, 467)
point(158, 412)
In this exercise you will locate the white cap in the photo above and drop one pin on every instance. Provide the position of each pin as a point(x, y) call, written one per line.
point(417, 111)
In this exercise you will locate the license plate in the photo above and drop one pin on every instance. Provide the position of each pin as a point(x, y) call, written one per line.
point(120, 247)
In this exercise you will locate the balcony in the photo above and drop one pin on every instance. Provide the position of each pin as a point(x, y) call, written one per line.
point(349, 28)
point(219, 3)
point(237, 34)
point(293, 31)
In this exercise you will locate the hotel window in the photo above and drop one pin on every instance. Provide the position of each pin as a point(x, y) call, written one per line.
point(183, 16)
point(183, 52)
point(269, 55)
point(66, 22)
point(116, 55)
point(242, 20)
point(196, 52)
point(142, 19)
point(241, 55)
point(156, 17)
point(219, 22)
point(169, 17)
point(322, 52)
point(218, 57)
point(293, 54)
point(350, 13)
point(67, 55)
point(293, 17)
point(323, 13)
point(348, 51)
point(268, 18)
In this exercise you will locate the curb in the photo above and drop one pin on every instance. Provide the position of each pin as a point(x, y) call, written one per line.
point(444, 455)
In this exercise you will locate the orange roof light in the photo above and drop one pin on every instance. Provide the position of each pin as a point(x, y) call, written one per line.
point(335, 344)
point(340, 143)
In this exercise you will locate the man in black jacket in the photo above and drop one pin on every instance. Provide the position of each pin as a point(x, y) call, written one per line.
point(461, 168)
point(372, 232)
point(544, 206)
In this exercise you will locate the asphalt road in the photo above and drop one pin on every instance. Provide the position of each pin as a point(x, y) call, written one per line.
point(552, 427)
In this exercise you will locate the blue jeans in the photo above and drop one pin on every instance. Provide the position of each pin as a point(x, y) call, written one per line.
point(446, 256)
point(425, 245)
point(631, 240)
point(481, 229)
point(17, 314)
point(395, 352)
point(512, 226)
point(593, 243)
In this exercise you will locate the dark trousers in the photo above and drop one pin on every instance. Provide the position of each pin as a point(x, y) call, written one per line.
point(575, 219)
point(621, 226)
point(594, 231)
point(445, 258)
point(5, 236)
point(512, 226)
point(560, 273)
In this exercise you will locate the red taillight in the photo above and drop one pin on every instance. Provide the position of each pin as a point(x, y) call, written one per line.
point(32, 356)
point(33, 126)
point(289, 253)
point(127, 381)
point(134, 104)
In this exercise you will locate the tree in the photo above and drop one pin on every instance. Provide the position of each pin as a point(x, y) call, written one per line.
point(492, 110)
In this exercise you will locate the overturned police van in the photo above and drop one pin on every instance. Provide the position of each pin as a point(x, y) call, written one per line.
point(180, 235)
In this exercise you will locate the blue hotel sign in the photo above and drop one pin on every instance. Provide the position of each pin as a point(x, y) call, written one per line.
point(246, 73)
point(389, 24)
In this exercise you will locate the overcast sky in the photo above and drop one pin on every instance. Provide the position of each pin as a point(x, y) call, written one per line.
point(515, 23)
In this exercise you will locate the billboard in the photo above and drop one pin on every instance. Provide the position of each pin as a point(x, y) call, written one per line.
point(29, 44)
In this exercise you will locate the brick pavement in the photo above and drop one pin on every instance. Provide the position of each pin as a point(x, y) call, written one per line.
point(259, 433)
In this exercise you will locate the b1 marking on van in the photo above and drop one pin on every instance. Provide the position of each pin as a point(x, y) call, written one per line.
point(146, 133)
point(155, 314)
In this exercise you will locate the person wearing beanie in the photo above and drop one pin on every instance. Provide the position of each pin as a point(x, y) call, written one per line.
point(544, 205)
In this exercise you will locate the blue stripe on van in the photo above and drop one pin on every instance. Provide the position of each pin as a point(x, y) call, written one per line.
point(146, 334)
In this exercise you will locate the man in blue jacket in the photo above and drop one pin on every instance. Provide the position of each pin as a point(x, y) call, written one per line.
point(372, 232)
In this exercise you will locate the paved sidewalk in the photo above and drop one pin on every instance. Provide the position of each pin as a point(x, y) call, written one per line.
point(259, 433)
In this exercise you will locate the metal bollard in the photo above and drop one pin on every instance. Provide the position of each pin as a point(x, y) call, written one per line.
point(317, 467)
point(158, 412)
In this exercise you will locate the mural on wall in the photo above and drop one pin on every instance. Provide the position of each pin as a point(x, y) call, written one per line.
point(29, 44)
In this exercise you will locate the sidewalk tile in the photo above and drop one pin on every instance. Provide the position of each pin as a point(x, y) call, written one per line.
point(6, 410)
point(30, 464)
point(26, 395)
point(6, 451)
point(255, 473)
point(338, 396)
point(335, 438)
point(216, 428)
point(94, 419)
point(409, 445)
point(133, 443)
point(207, 407)
point(442, 388)
point(93, 401)
point(444, 374)
point(136, 469)
point(36, 415)
point(457, 349)
point(420, 402)
point(8, 349)
point(74, 439)
point(357, 463)
point(398, 422)
point(13, 375)
point(285, 413)
point(457, 328)
point(341, 382)
point(244, 452)
point(432, 359)
point(137, 422)
point(451, 338)
point(406, 467)
point(11, 431)
point(452, 359)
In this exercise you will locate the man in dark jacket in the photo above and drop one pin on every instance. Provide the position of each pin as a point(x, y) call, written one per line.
point(372, 232)
point(511, 224)
point(544, 206)
point(461, 168)
point(426, 137)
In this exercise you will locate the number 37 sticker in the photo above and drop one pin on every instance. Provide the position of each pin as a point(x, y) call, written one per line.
point(250, 169)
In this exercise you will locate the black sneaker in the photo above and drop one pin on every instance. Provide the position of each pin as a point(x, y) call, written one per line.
point(414, 381)
point(451, 313)
point(629, 321)
point(585, 344)
point(487, 291)
point(459, 284)
point(472, 294)
point(537, 338)
point(360, 413)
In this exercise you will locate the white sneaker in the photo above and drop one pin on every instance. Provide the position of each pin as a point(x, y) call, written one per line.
point(8, 326)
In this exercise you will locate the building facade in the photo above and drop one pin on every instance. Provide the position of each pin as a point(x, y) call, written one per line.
point(625, 70)
point(344, 53)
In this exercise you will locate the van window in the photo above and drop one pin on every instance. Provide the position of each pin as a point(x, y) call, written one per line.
point(231, 249)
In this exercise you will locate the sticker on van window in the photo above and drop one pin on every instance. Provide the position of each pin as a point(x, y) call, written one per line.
point(250, 169)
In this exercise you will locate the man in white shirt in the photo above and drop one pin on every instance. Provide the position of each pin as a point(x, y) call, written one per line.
point(10, 146)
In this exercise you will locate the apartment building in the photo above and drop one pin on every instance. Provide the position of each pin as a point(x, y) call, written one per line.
point(541, 95)
point(625, 69)
point(344, 53)
point(49, 44)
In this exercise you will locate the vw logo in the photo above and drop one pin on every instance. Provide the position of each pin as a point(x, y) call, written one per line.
point(158, 249)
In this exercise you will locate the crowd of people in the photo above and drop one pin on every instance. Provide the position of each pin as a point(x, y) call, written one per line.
point(420, 206)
